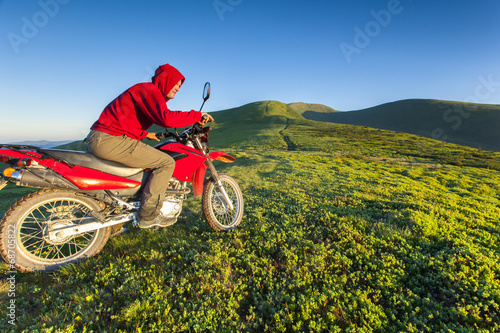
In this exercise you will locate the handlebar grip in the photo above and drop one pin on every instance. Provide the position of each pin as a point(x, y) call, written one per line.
point(206, 117)
point(161, 135)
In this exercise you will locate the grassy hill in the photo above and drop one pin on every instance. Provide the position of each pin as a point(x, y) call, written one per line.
point(354, 229)
point(300, 108)
point(474, 125)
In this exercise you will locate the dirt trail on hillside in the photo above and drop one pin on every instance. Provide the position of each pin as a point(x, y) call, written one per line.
point(289, 143)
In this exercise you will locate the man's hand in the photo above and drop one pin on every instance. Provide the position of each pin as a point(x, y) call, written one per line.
point(152, 136)
point(205, 118)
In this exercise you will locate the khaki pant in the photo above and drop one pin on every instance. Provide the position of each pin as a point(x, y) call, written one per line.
point(136, 154)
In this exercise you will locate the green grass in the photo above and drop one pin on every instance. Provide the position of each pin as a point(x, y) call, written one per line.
point(356, 230)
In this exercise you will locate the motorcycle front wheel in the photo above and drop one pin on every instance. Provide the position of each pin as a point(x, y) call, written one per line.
point(215, 208)
point(25, 244)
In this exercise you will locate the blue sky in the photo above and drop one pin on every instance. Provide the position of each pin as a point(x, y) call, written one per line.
point(63, 61)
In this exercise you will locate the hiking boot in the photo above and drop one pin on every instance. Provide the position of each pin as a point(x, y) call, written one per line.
point(159, 222)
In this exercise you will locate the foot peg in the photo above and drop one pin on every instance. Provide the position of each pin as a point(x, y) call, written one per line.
point(185, 190)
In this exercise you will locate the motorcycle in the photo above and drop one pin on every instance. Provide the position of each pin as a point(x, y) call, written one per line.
point(83, 200)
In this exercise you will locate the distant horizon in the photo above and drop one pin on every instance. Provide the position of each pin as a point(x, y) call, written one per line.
point(33, 139)
point(69, 140)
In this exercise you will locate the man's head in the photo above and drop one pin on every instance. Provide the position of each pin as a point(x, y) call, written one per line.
point(169, 80)
point(174, 90)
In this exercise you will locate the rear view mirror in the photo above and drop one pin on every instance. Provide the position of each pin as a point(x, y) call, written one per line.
point(206, 94)
point(206, 91)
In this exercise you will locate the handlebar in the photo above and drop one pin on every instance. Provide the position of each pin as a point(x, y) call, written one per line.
point(204, 118)
point(164, 135)
point(193, 130)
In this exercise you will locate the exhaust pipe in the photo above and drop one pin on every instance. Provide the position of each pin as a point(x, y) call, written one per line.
point(41, 178)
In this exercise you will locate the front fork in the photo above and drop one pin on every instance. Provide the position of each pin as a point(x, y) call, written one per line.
point(215, 176)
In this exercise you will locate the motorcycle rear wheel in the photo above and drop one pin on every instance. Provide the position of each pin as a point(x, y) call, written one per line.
point(24, 242)
point(215, 209)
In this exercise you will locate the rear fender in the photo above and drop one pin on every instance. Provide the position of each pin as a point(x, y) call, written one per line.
point(7, 154)
point(84, 178)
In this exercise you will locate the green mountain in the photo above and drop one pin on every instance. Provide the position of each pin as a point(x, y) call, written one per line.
point(42, 143)
point(301, 108)
point(346, 228)
point(469, 124)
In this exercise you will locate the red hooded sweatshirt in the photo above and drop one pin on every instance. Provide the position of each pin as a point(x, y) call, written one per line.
point(143, 105)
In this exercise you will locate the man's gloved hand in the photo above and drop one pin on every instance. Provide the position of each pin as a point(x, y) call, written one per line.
point(205, 118)
point(152, 136)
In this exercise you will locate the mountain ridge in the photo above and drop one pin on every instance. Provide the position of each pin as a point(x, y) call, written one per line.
point(467, 124)
point(301, 108)
point(44, 144)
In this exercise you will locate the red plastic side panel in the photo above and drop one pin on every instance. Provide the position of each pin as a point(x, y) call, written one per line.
point(90, 179)
point(185, 167)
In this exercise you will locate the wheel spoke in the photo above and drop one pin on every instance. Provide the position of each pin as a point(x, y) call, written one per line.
point(31, 234)
point(59, 252)
point(30, 228)
point(78, 246)
point(39, 250)
point(51, 247)
point(84, 236)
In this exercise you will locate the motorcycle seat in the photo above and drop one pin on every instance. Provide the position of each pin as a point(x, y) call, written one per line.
point(93, 162)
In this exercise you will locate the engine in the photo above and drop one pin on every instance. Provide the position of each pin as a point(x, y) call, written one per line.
point(172, 207)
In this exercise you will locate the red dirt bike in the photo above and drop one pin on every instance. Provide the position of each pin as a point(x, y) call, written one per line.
point(83, 199)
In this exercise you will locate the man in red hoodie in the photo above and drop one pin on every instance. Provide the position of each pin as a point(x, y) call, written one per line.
point(124, 122)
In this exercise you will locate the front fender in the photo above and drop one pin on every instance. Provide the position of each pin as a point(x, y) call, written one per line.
point(199, 174)
point(198, 180)
point(221, 156)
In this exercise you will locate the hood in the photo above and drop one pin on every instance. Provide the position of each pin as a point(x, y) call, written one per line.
point(165, 78)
